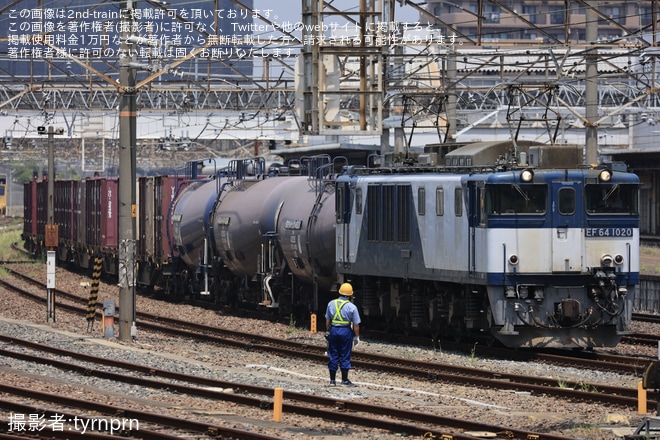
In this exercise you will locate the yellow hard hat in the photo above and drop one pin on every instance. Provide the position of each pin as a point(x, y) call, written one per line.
point(346, 289)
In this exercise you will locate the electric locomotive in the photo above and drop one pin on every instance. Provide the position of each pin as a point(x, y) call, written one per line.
point(530, 256)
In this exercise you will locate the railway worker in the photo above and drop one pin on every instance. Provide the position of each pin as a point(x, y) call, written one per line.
point(342, 322)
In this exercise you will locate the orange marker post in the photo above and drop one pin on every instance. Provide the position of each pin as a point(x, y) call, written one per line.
point(312, 323)
point(277, 405)
point(641, 398)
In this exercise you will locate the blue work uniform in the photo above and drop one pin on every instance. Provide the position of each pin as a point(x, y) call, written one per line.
point(342, 313)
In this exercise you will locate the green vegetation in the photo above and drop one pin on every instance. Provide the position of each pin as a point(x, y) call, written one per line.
point(583, 386)
point(10, 233)
point(580, 386)
point(473, 355)
point(23, 172)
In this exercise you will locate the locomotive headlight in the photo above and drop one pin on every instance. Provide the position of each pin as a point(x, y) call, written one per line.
point(513, 259)
point(606, 260)
point(605, 175)
point(527, 175)
point(618, 259)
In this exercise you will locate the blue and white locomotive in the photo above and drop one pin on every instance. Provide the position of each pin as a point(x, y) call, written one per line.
point(533, 256)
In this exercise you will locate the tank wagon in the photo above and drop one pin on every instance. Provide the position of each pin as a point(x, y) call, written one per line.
point(253, 239)
point(514, 243)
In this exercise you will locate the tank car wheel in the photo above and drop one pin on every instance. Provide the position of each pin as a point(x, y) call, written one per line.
point(175, 289)
point(488, 340)
point(435, 332)
point(436, 335)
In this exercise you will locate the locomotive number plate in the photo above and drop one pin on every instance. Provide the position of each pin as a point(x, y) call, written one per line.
point(608, 232)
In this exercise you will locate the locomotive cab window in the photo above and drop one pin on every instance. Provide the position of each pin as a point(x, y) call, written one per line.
point(513, 199)
point(566, 201)
point(611, 199)
point(343, 203)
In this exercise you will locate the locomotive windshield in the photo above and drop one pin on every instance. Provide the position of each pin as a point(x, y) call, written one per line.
point(611, 199)
point(516, 199)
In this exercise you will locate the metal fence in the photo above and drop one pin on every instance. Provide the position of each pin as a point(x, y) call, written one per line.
point(647, 299)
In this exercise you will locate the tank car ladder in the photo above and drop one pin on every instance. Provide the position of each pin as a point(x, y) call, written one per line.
point(267, 265)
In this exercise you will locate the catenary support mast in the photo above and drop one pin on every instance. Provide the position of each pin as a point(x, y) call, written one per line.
point(127, 159)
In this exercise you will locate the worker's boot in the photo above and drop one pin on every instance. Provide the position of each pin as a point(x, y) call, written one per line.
point(344, 379)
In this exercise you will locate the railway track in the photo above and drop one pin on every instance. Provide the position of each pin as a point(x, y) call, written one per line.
point(572, 358)
point(353, 412)
point(645, 317)
point(431, 371)
point(175, 427)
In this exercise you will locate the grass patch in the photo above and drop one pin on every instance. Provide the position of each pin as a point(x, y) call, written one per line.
point(10, 233)
point(649, 259)
point(651, 251)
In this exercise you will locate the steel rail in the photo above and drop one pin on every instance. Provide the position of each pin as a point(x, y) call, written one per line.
point(348, 408)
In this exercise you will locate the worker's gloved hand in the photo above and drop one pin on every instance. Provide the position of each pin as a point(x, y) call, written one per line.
point(326, 335)
point(356, 341)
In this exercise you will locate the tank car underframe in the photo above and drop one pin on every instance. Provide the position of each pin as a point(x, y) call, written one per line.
point(281, 294)
point(562, 311)
point(276, 291)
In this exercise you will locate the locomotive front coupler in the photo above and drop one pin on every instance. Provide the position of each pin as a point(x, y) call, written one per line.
point(606, 287)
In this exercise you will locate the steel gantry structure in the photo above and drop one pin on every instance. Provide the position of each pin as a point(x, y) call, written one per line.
point(332, 70)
